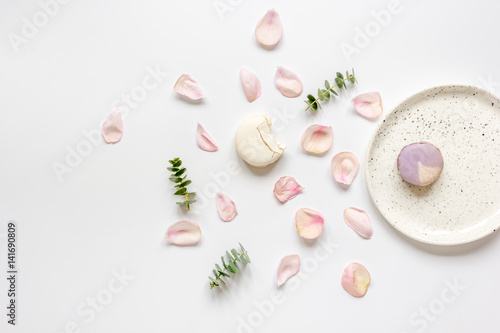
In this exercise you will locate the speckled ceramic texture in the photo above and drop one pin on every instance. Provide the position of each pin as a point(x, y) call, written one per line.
point(463, 205)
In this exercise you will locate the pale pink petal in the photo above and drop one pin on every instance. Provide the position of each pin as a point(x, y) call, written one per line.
point(289, 266)
point(287, 188)
point(359, 221)
point(317, 139)
point(184, 232)
point(112, 128)
point(187, 86)
point(309, 223)
point(288, 82)
point(356, 279)
point(225, 207)
point(345, 167)
point(204, 140)
point(369, 105)
point(269, 29)
point(251, 84)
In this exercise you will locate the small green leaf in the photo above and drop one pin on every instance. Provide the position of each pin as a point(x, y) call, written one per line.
point(225, 274)
point(327, 96)
point(189, 202)
point(320, 95)
point(222, 281)
point(334, 92)
point(218, 267)
point(211, 279)
point(228, 255)
point(340, 76)
point(327, 84)
point(180, 172)
point(234, 267)
point(185, 183)
point(314, 106)
point(215, 273)
point(235, 254)
point(177, 164)
point(311, 98)
point(180, 191)
point(172, 169)
point(223, 262)
point(175, 179)
point(339, 82)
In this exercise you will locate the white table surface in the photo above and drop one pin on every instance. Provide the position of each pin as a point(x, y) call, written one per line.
point(108, 216)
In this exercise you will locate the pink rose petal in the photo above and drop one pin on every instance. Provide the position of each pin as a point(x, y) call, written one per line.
point(269, 29)
point(251, 84)
point(225, 207)
point(287, 188)
point(288, 267)
point(356, 279)
point(187, 86)
point(317, 139)
point(359, 221)
point(309, 223)
point(288, 82)
point(184, 232)
point(369, 105)
point(204, 140)
point(345, 167)
point(112, 128)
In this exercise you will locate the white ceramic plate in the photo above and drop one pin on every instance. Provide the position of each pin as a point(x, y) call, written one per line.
point(463, 205)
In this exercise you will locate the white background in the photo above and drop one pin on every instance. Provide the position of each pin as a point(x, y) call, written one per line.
point(110, 213)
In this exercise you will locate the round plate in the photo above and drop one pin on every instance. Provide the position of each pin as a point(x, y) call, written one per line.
point(463, 205)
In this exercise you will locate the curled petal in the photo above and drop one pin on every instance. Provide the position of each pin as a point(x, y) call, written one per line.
point(309, 223)
point(287, 188)
point(225, 207)
point(288, 267)
point(317, 139)
point(369, 105)
point(288, 82)
point(184, 232)
point(187, 86)
point(359, 221)
point(112, 128)
point(345, 167)
point(356, 279)
point(269, 29)
point(204, 140)
point(251, 84)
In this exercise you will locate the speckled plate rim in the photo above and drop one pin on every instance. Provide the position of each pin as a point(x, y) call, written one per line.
point(495, 225)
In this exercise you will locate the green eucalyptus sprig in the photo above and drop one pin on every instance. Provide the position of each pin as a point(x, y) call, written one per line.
point(181, 182)
point(230, 267)
point(324, 94)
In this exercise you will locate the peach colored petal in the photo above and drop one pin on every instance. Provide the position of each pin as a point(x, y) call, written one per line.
point(184, 232)
point(309, 223)
point(359, 221)
point(251, 84)
point(226, 207)
point(187, 86)
point(317, 139)
point(369, 105)
point(345, 167)
point(287, 188)
point(204, 140)
point(269, 29)
point(288, 82)
point(356, 279)
point(288, 267)
point(112, 128)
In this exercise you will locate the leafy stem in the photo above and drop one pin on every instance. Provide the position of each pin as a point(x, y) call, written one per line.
point(324, 94)
point(230, 267)
point(181, 182)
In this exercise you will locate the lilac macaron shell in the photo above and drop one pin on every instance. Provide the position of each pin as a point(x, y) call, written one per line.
point(420, 163)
